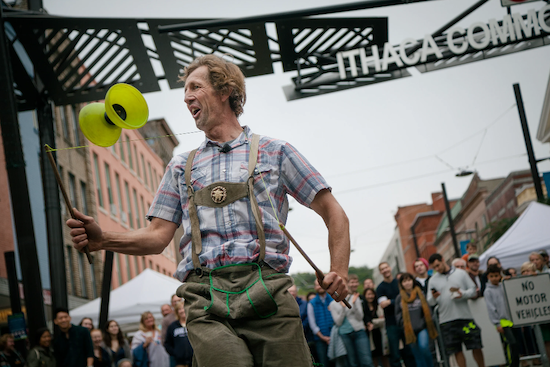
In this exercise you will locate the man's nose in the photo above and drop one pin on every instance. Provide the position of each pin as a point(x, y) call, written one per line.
point(188, 97)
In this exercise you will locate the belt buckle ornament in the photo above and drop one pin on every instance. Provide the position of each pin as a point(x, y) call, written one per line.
point(218, 194)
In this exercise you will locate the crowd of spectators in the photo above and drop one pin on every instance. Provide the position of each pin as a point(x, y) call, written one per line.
point(84, 345)
point(393, 323)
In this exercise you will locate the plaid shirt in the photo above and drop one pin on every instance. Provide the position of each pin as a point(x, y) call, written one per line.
point(229, 234)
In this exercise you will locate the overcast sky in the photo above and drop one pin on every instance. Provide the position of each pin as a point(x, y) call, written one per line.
point(376, 145)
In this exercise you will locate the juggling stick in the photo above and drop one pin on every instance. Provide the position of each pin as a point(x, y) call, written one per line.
point(320, 274)
point(64, 192)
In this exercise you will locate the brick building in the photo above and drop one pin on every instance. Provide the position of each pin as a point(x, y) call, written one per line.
point(417, 225)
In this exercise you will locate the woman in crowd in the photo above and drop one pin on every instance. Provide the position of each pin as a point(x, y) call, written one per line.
point(536, 258)
point(509, 273)
point(8, 355)
point(87, 323)
point(493, 260)
point(115, 343)
point(375, 323)
point(147, 340)
point(414, 315)
point(177, 342)
point(42, 353)
point(101, 355)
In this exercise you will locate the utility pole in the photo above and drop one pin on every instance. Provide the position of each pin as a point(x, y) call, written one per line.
point(450, 219)
point(528, 144)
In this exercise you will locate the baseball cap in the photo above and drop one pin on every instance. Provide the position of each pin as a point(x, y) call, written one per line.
point(473, 257)
point(543, 253)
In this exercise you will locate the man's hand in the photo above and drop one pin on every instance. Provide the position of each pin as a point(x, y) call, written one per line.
point(385, 303)
point(85, 231)
point(500, 329)
point(435, 294)
point(354, 298)
point(370, 326)
point(326, 339)
point(456, 290)
point(335, 285)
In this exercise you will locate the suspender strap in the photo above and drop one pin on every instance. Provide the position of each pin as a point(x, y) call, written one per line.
point(196, 240)
point(252, 159)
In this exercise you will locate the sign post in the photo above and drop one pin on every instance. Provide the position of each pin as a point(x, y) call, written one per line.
point(528, 300)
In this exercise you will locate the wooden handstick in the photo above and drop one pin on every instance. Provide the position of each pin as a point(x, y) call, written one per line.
point(64, 192)
point(320, 274)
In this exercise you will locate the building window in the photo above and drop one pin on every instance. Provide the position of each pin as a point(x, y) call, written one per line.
point(130, 215)
point(145, 179)
point(138, 220)
point(71, 270)
point(62, 202)
point(130, 160)
point(94, 281)
point(136, 267)
point(122, 155)
point(64, 123)
point(112, 206)
point(143, 266)
point(150, 265)
point(76, 126)
point(98, 181)
point(118, 272)
point(84, 197)
point(150, 176)
point(72, 190)
point(154, 181)
point(143, 211)
point(119, 196)
point(128, 272)
point(137, 160)
point(158, 269)
point(81, 273)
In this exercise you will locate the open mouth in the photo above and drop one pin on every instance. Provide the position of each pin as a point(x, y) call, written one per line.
point(195, 112)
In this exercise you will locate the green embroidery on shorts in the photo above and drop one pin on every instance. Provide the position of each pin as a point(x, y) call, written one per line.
point(469, 327)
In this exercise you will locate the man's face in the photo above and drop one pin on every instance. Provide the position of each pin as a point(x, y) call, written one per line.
point(204, 103)
point(439, 266)
point(385, 270)
point(293, 291)
point(460, 265)
point(63, 321)
point(353, 284)
point(473, 265)
point(420, 268)
point(165, 310)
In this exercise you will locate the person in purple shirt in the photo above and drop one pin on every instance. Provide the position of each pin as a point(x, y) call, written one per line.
point(231, 195)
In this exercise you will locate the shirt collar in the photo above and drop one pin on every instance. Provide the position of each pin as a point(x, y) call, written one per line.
point(243, 138)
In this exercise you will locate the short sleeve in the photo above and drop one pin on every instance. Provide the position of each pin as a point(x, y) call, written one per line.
point(167, 202)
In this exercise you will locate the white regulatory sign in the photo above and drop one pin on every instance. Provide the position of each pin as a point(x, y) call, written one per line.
point(528, 299)
point(515, 2)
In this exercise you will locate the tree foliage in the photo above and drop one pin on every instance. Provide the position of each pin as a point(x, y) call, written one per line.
point(494, 230)
point(305, 281)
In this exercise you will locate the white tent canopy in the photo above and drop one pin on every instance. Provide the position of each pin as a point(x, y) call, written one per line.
point(529, 233)
point(146, 292)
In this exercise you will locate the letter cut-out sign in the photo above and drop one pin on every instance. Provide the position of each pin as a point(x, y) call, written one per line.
point(515, 2)
point(528, 299)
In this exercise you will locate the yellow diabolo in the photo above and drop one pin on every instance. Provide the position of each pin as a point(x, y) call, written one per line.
point(124, 108)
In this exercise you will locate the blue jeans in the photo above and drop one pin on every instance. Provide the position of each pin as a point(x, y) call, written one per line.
point(395, 333)
point(421, 350)
point(358, 347)
point(322, 352)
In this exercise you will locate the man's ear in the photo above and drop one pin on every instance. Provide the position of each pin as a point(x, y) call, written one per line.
point(225, 95)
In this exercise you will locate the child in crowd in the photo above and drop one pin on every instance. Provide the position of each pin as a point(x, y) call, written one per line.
point(498, 314)
point(528, 268)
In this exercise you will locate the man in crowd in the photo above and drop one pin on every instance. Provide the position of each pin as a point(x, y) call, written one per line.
point(450, 288)
point(302, 305)
point(477, 275)
point(321, 322)
point(168, 315)
point(231, 195)
point(545, 259)
point(72, 344)
point(386, 292)
point(459, 264)
point(421, 269)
